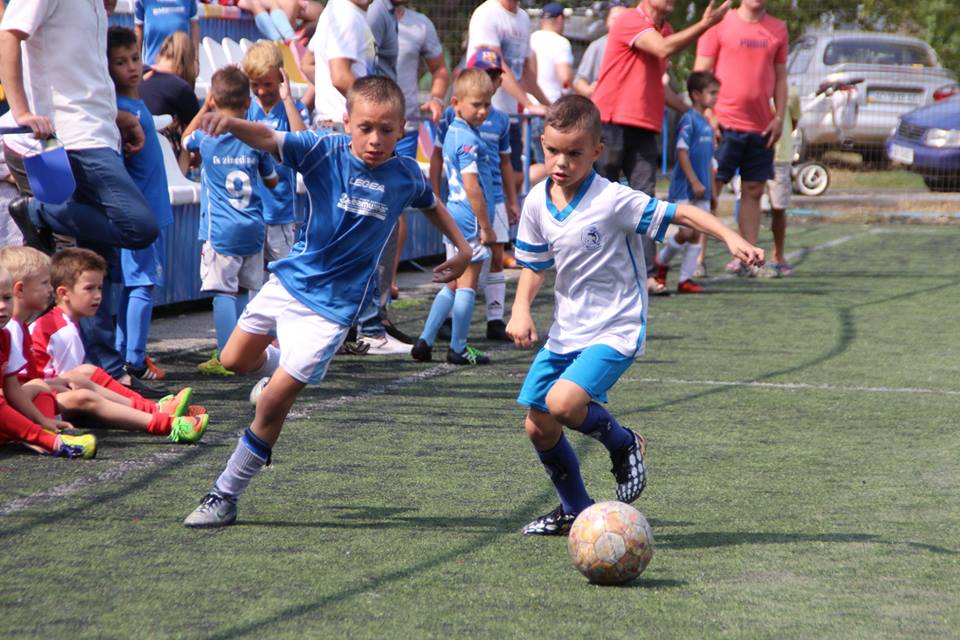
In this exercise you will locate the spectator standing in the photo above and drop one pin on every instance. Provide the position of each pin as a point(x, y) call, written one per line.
point(77, 102)
point(589, 70)
point(631, 95)
point(780, 188)
point(155, 20)
point(501, 25)
point(382, 19)
point(167, 87)
point(747, 52)
point(553, 52)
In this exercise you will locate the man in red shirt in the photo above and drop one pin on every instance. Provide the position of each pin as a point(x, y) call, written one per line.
point(747, 52)
point(631, 94)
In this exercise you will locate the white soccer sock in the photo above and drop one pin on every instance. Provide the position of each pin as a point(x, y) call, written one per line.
point(670, 248)
point(240, 469)
point(495, 294)
point(270, 365)
point(691, 253)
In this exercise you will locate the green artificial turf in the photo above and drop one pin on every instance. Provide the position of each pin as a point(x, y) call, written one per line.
point(804, 474)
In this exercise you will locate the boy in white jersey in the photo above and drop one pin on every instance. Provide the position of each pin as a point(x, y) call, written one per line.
point(589, 229)
point(358, 188)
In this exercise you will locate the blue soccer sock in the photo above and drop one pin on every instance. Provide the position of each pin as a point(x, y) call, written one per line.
point(462, 314)
point(564, 470)
point(439, 310)
point(139, 309)
point(266, 26)
point(602, 426)
point(224, 316)
point(251, 455)
point(282, 23)
point(242, 299)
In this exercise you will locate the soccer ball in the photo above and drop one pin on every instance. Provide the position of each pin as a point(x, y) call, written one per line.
point(610, 543)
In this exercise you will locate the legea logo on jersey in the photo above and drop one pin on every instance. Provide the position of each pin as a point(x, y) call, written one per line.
point(367, 184)
point(363, 207)
point(591, 239)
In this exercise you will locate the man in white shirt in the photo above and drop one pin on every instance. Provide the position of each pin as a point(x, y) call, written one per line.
point(53, 65)
point(343, 50)
point(554, 53)
point(503, 26)
point(419, 41)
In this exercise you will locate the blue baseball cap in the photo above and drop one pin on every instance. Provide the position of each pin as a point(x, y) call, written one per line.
point(552, 10)
point(486, 59)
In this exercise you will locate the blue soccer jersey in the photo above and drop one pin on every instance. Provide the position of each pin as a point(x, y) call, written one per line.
point(695, 135)
point(495, 134)
point(230, 210)
point(160, 19)
point(278, 203)
point(463, 153)
point(146, 167)
point(353, 210)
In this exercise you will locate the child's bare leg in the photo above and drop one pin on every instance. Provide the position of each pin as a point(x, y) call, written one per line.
point(245, 352)
point(274, 405)
point(112, 415)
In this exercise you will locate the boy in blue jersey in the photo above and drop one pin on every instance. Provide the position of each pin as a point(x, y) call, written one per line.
point(588, 229)
point(358, 189)
point(469, 200)
point(275, 107)
point(155, 20)
point(142, 269)
point(231, 222)
point(692, 180)
point(495, 134)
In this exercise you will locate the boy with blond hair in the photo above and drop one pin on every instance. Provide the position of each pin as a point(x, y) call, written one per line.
point(470, 202)
point(54, 350)
point(231, 220)
point(273, 106)
point(21, 417)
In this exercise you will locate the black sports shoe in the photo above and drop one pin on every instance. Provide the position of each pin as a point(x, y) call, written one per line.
point(147, 391)
point(39, 239)
point(422, 352)
point(142, 373)
point(469, 356)
point(629, 470)
point(497, 330)
point(396, 334)
point(446, 330)
point(555, 523)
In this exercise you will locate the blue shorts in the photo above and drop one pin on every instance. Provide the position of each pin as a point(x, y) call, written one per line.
point(144, 267)
point(407, 145)
point(746, 151)
point(595, 370)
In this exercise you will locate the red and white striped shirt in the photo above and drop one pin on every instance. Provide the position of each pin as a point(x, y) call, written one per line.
point(57, 345)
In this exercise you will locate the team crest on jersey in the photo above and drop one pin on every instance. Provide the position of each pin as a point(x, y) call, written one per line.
point(591, 239)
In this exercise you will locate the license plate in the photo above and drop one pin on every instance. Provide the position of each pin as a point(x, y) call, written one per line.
point(901, 154)
point(894, 97)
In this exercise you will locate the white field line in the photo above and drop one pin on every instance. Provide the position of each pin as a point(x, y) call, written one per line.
point(794, 386)
point(123, 469)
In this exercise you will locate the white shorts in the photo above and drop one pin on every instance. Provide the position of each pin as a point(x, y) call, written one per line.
point(308, 341)
point(781, 187)
point(501, 223)
point(229, 274)
point(480, 251)
point(278, 241)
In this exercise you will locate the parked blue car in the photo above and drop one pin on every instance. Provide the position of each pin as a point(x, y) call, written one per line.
point(927, 141)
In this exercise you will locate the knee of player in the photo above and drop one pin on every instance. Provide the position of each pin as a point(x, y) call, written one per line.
point(231, 360)
point(540, 427)
point(753, 189)
point(82, 372)
point(79, 400)
point(563, 407)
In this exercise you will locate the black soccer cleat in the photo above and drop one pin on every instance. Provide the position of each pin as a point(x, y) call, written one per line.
point(629, 469)
point(421, 352)
point(555, 523)
point(497, 330)
point(468, 356)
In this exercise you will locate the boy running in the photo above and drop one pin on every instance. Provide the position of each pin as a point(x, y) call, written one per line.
point(588, 229)
point(358, 188)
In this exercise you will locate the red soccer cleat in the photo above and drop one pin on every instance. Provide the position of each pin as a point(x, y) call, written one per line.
point(660, 272)
point(689, 286)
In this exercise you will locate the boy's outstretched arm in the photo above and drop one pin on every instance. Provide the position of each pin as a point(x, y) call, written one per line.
point(454, 267)
point(20, 401)
point(521, 327)
point(255, 135)
point(700, 220)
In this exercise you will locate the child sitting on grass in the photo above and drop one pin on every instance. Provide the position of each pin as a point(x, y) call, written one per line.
point(76, 275)
point(231, 218)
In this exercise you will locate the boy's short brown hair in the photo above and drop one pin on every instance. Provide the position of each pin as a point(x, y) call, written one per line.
point(68, 265)
point(378, 90)
point(230, 88)
point(701, 81)
point(262, 58)
point(24, 262)
point(472, 80)
point(574, 113)
point(120, 37)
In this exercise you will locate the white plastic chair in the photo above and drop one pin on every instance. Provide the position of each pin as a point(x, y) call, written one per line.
point(124, 7)
point(214, 53)
point(232, 50)
point(182, 191)
point(245, 44)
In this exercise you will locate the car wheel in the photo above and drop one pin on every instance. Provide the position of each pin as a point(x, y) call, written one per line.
point(812, 179)
point(942, 183)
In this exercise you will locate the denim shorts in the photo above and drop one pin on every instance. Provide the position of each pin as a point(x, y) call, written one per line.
point(746, 151)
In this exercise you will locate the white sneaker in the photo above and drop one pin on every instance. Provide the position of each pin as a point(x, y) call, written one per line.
point(384, 345)
point(258, 389)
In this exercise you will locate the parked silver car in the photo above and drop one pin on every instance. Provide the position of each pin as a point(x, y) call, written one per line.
point(899, 74)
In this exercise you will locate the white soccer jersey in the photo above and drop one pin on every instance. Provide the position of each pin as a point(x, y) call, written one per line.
point(600, 288)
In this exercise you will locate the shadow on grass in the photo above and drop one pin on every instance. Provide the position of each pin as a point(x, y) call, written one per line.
point(645, 583)
point(711, 539)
